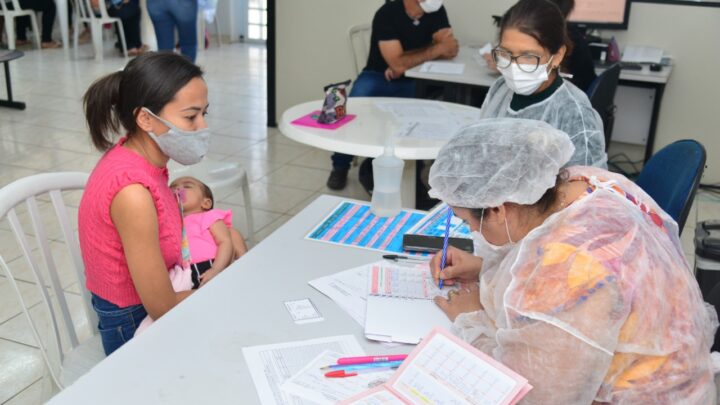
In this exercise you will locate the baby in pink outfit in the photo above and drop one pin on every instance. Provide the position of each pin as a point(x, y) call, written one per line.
point(214, 244)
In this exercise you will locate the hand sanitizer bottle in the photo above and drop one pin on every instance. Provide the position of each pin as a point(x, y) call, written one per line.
point(387, 176)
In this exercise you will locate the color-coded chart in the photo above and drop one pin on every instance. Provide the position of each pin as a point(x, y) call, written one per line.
point(433, 224)
point(354, 224)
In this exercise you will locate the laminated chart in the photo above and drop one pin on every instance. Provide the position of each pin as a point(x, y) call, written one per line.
point(433, 224)
point(354, 224)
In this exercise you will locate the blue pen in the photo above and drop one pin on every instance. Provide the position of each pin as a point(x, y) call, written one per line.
point(379, 364)
point(443, 258)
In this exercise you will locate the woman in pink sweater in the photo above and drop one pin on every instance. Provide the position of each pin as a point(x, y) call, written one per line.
point(129, 220)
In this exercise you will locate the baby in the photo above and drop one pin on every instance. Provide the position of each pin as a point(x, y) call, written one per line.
point(214, 244)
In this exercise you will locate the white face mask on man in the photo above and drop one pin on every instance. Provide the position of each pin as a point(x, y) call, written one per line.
point(490, 253)
point(431, 6)
point(184, 147)
point(524, 83)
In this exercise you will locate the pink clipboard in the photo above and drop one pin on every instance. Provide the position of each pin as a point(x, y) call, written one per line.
point(310, 120)
point(521, 386)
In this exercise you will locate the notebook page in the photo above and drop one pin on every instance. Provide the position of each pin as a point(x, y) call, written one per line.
point(444, 372)
point(393, 280)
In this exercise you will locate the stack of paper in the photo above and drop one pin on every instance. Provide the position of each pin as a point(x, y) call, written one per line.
point(427, 120)
point(642, 54)
point(311, 384)
point(443, 68)
point(392, 301)
point(272, 365)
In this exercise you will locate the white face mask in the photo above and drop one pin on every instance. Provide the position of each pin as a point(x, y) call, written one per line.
point(490, 253)
point(184, 147)
point(431, 6)
point(524, 83)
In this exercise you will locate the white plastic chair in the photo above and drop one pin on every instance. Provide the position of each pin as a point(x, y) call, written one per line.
point(11, 15)
point(67, 358)
point(359, 40)
point(84, 13)
point(220, 176)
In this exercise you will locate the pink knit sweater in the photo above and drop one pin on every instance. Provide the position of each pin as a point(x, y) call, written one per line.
point(106, 268)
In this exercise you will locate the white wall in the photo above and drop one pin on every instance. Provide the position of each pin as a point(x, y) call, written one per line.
point(312, 51)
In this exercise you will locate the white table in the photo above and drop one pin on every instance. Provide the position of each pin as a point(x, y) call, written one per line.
point(193, 355)
point(366, 135)
point(466, 88)
point(476, 72)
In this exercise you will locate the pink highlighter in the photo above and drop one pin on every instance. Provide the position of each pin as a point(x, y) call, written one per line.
point(370, 359)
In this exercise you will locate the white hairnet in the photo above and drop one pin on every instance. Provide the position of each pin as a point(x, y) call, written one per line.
point(567, 109)
point(499, 160)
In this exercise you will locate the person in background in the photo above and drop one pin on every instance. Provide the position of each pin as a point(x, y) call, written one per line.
point(578, 280)
point(579, 62)
point(405, 33)
point(129, 12)
point(533, 45)
point(169, 15)
point(48, 10)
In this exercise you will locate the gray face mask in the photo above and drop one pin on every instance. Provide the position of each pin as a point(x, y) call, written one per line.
point(184, 147)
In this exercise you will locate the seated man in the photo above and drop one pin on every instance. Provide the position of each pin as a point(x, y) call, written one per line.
point(405, 33)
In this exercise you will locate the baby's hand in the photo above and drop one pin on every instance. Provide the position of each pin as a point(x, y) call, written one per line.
point(208, 275)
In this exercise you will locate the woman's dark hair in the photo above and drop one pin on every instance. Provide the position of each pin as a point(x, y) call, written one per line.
point(543, 205)
point(151, 80)
point(540, 19)
point(566, 6)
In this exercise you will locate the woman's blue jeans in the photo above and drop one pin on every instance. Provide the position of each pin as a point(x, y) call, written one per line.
point(167, 15)
point(116, 325)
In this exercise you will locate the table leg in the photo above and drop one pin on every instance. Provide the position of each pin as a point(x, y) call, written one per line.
point(407, 188)
point(9, 103)
point(650, 145)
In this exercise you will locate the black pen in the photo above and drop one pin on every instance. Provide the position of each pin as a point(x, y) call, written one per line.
point(411, 258)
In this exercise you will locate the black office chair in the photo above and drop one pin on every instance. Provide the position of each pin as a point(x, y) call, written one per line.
point(602, 98)
point(713, 299)
point(672, 176)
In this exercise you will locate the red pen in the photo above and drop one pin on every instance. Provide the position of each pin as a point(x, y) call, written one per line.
point(370, 359)
point(343, 373)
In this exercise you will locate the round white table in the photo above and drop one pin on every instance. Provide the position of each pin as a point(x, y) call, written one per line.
point(366, 135)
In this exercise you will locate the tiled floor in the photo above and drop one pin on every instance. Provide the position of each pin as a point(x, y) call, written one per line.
point(50, 135)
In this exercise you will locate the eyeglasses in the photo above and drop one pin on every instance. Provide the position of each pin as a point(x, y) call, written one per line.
point(528, 63)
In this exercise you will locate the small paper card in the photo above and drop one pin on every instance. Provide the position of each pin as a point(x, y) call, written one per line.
point(310, 120)
point(303, 311)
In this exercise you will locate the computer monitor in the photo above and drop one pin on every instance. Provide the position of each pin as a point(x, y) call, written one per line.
point(610, 14)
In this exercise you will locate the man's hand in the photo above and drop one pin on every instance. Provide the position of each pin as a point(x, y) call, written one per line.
point(390, 75)
point(449, 47)
point(446, 44)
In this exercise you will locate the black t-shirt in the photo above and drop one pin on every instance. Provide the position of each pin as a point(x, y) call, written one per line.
point(391, 22)
point(580, 62)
